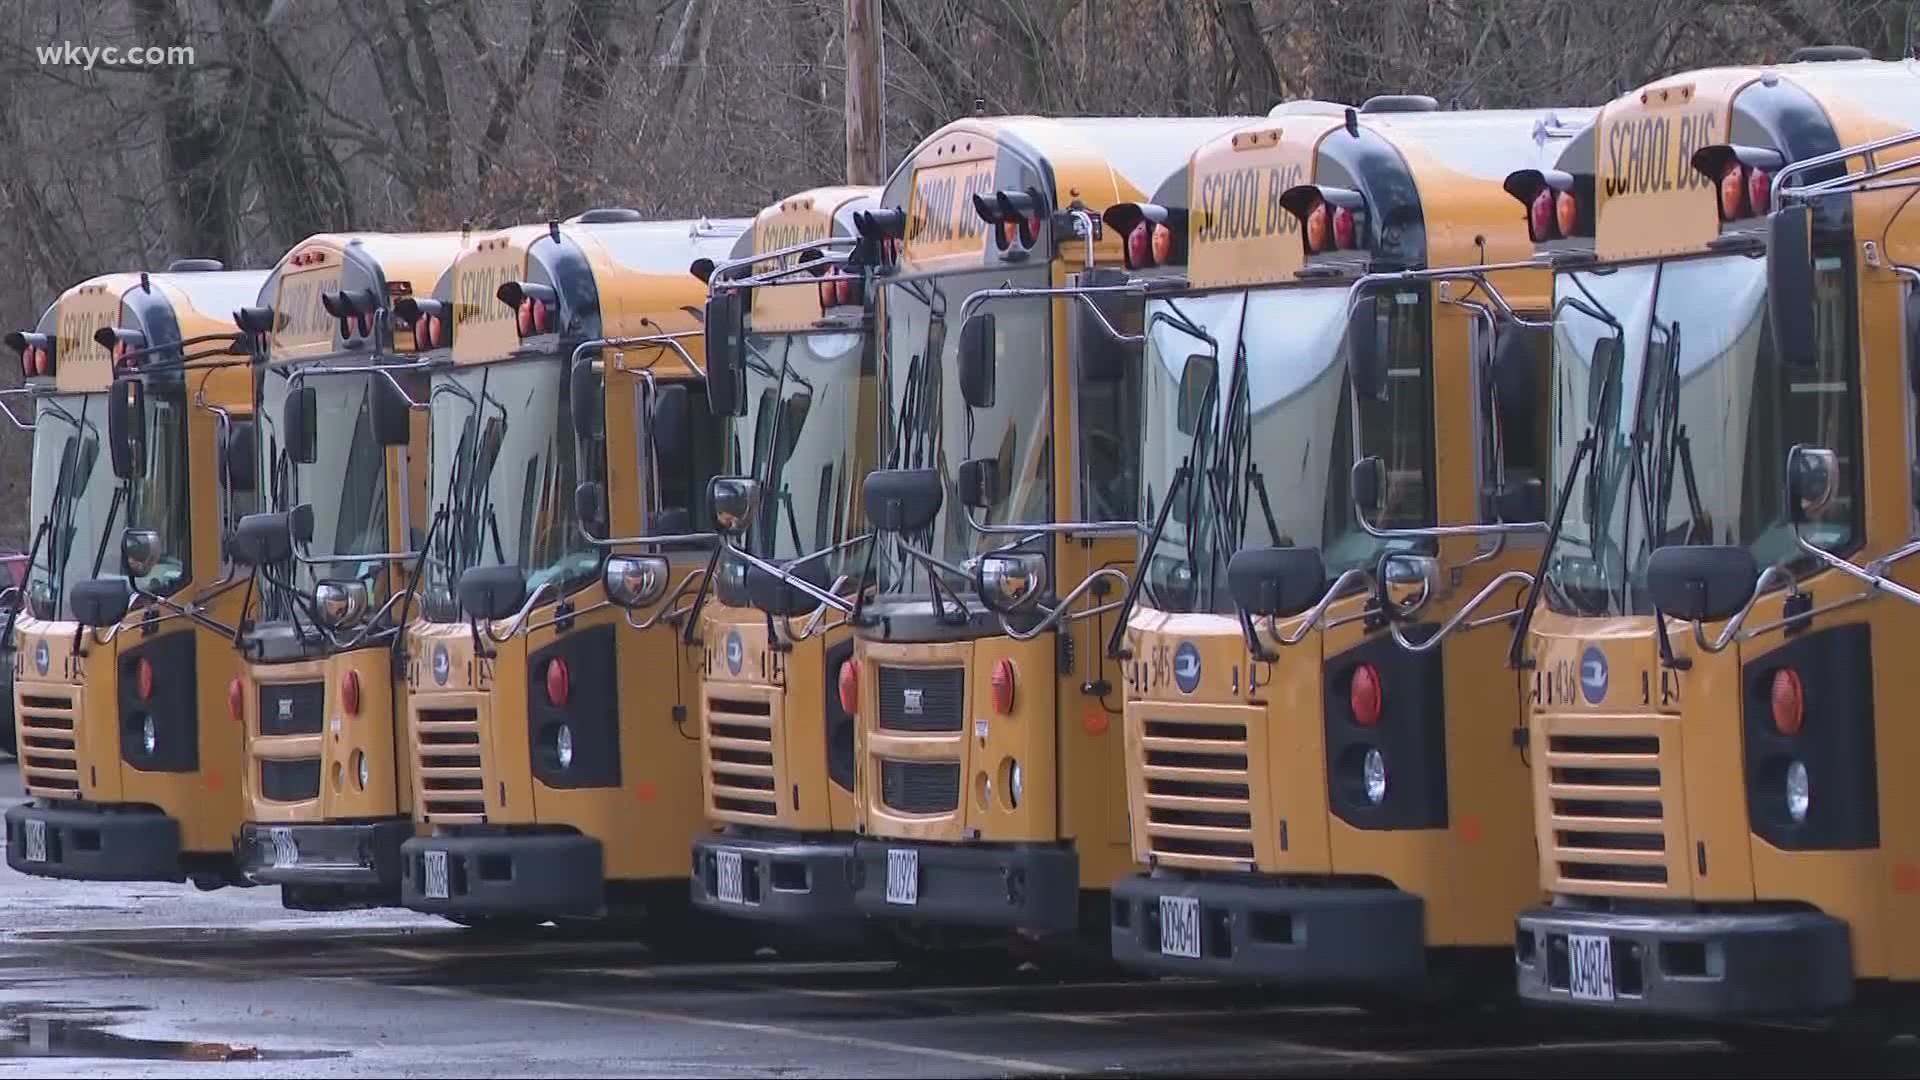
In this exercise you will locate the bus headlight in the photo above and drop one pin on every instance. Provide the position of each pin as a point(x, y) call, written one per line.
point(563, 746)
point(1374, 771)
point(149, 736)
point(634, 581)
point(1799, 797)
point(1010, 581)
point(1015, 789)
point(340, 603)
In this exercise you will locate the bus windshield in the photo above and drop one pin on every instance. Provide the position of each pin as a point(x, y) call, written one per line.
point(1266, 427)
point(1672, 367)
point(801, 437)
point(505, 461)
point(346, 484)
point(930, 426)
point(72, 497)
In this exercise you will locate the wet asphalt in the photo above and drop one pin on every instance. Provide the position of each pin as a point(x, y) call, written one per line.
point(164, 980)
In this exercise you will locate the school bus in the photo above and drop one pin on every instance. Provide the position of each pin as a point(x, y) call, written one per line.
point(551, 673)
point(1725, 828)
point(988, 766)
point(141, 403)
point(1340, 462)
point(777, 769)
point(342, 323)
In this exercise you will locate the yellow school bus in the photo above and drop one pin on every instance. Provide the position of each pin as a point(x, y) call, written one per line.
point(988, 788)
point(552, 674)
point(1340, 463)
point(777, 740)
point(123, 653)
point(342, 457)
point(1725, 827)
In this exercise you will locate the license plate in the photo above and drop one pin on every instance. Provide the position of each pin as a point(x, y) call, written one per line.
point(284, 853)
point(436, 887)
point(1180, 926)
point(903, 876)
point(36, 841)
point(1590, 966)
point(728, 869)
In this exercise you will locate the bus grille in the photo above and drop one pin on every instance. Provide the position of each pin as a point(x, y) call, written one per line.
point(292, 708)
point(920, 787)
point(740, 750)
point(922, 699)
point(1199, 808)
point(49, 754)
point(1607, 813)
point(452, 777)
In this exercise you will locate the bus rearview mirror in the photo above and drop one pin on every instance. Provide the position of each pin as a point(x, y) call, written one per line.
point(127, 428)
point(1277, 581)
point(590, 507)
point(978, 354)
point(1365, 362)
point(726, 353)
point(298, 420)
point(390, 412)
point(1790, 297)
point(1368, 485)
point(671, 437)
point(588, 408)
point(1701, 583)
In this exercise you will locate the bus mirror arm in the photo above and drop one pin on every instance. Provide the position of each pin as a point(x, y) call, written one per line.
point(12, 417)
point(664, 610)
point(1311, 617)
point(1060, 612)
point(1874, 575)
point(1460, 618)
point(519, 619)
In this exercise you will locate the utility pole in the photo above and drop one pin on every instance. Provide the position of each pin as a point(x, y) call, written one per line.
point(866, 141)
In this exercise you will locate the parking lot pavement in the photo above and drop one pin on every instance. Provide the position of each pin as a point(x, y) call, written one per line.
point(163, 980)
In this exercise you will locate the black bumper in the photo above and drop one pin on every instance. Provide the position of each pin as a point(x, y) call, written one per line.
point(363, 854)
point(95, 844)
point(793, 881)
point(1030, 888)
point(554, 874)
point(1272, 932)
point(1729, 965)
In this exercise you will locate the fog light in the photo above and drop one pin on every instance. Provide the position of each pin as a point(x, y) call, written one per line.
point(563, 746)
point(1375, 770)
point(1799, 797)
point(150, 737)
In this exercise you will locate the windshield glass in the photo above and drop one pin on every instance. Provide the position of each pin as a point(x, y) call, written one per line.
point(808, 416)
point(346, 484)
point(161, 498)
point(930, 425)
point(1268, 429)
point(504, 465)
point(72, 496)
point(1693, 422)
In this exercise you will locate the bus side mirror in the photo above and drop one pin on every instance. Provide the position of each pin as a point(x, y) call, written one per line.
point(1406, 582)
point(726, 353)
point(1277, 581)
point(1701, 583)
point(1365, 363)
point(1525, 501)
point(100, 601)
point(492, 592)
point(390, 412)
point(300, 523)
point(1790, 283)
point(979, 482)
point(1603, 375)
point(237, 456)
point(139, 551)
point(127, 428)
point(671, 437)
point(1368, 485)
point(902, 500)
point(261, 540)
point(298, 420)
point(734, 499)
point(589, 408)
point(590, 508)
point(1813, 479)
point(775, 595)
point(978, 355)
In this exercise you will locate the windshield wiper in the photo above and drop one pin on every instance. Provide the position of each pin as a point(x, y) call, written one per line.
point(106, 530)
point(1516, 651)
point(1116, 642)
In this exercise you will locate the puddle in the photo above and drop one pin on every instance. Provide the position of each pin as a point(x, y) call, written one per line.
point(38, 1037)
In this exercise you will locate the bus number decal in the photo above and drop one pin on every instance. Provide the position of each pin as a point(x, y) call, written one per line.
point(1555, 684)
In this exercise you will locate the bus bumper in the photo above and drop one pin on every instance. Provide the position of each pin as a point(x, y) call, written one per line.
point(786, 881)
point(87, 843)
point(1034, 889)
point(362, 854)
point(1333, 936)
point(552, 874)
point(1690, 964)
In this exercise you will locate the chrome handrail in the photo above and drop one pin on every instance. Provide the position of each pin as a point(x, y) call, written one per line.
point(1060, 611)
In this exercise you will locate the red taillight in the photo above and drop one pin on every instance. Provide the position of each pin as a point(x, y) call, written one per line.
point(1009, 233)
point(30, 361)
point(1759, 191)
point(852, 291)
point(827, 295)
point(1363, 695)
point(120, 351)
point(542, 316)
point(1541, 218)
point(1343, 228)
point(1140, 246)
point(1033, 228)
point(1733, 192)
point(143, 678)
point(350, 693)
point(1161, 245)
point(849, 688)
point(236, 699)
point(364, 323)
point(558, 685)
point(525, 317)
point(1003, 686)
point(1317, 228)
point(1566, 213)
point(1789, 704)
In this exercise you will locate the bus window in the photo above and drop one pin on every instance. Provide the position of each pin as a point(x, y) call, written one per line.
point(1518, 407)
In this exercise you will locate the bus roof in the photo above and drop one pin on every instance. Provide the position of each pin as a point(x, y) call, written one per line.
point(166, 307)
point(381, 266)
point(794, 304)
